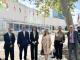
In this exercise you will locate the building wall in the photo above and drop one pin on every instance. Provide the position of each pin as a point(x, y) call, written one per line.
point(27, 16)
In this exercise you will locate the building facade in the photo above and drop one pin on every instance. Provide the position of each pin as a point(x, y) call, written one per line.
point(17, 15)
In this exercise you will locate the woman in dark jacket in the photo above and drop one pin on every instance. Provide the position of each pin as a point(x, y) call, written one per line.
point(34, 36)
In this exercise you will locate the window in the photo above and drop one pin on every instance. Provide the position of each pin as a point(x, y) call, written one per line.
point(16, 27)
point(52, 27)
point(1, 25)
point(21, 26)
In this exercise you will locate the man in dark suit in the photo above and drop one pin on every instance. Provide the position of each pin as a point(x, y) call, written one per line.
point(78, 28)
point(9, 39)
point(23, 41)
point(72, 42)
point(34, 43)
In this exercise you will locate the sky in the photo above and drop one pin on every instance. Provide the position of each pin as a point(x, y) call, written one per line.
point(75, 13)
point(27, 3)
point(78, 4)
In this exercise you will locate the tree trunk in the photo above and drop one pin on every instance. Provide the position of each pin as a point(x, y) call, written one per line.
point(66, 12)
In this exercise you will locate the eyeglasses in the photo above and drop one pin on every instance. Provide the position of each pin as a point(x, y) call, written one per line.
point(71, 27)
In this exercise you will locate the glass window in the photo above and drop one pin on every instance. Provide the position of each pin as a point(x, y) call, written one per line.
point(21, 26)
point(1, 25)
point(30, 28)
point(16, 27)
point(53, 28)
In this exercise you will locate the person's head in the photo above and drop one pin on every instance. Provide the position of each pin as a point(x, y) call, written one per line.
point(23, 28)
point(78, 28)
point(46, 32)
point(34, 28)
point(71, 28)
point(59, 28)
point(10, 30)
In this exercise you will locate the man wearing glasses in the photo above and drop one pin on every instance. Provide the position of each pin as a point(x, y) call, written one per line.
point(72, 42)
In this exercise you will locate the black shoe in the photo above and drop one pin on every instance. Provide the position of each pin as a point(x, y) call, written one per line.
point(25, 59)
point(0, 58)
point(60, 59)
point(53, 57)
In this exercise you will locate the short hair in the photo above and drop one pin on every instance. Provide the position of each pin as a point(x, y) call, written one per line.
point(23, 26)
point(71, 26)
point(78, 27)
point(59, 27)
point(34, 27)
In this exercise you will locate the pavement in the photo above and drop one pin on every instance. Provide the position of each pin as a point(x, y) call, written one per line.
point(40, 57)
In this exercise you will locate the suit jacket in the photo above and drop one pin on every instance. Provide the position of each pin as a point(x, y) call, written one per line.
point(32, 39)
point(75, 35)
point(9, 40)
point(79, 36)
point(23, 40)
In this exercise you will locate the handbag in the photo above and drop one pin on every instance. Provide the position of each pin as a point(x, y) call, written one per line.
point(42, 51)
point(0, 58)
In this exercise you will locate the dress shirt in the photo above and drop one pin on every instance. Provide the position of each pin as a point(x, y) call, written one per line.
point(10, 36)
point(34, 34)
point(24, 33)
point(71, 37)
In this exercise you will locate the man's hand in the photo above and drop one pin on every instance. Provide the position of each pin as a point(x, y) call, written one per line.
point(11, 46)
point(33, 42)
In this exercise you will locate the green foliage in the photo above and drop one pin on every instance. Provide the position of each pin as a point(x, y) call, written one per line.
point(44, 6)
point(1, 6)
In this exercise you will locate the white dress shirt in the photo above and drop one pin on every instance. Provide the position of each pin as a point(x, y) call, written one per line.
point(24, 33)
point(34, 34)
point(9, 34)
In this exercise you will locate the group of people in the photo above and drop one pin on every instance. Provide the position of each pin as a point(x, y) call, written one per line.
point(24, 39)
point(73, 40)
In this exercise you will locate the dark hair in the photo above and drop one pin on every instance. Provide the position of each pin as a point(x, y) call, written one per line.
point(34, 27)
point(59, 27)
point(45, 32)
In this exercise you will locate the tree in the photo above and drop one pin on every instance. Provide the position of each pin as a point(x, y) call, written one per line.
point(66, 12)
point(61, 6)
point(1, 6)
